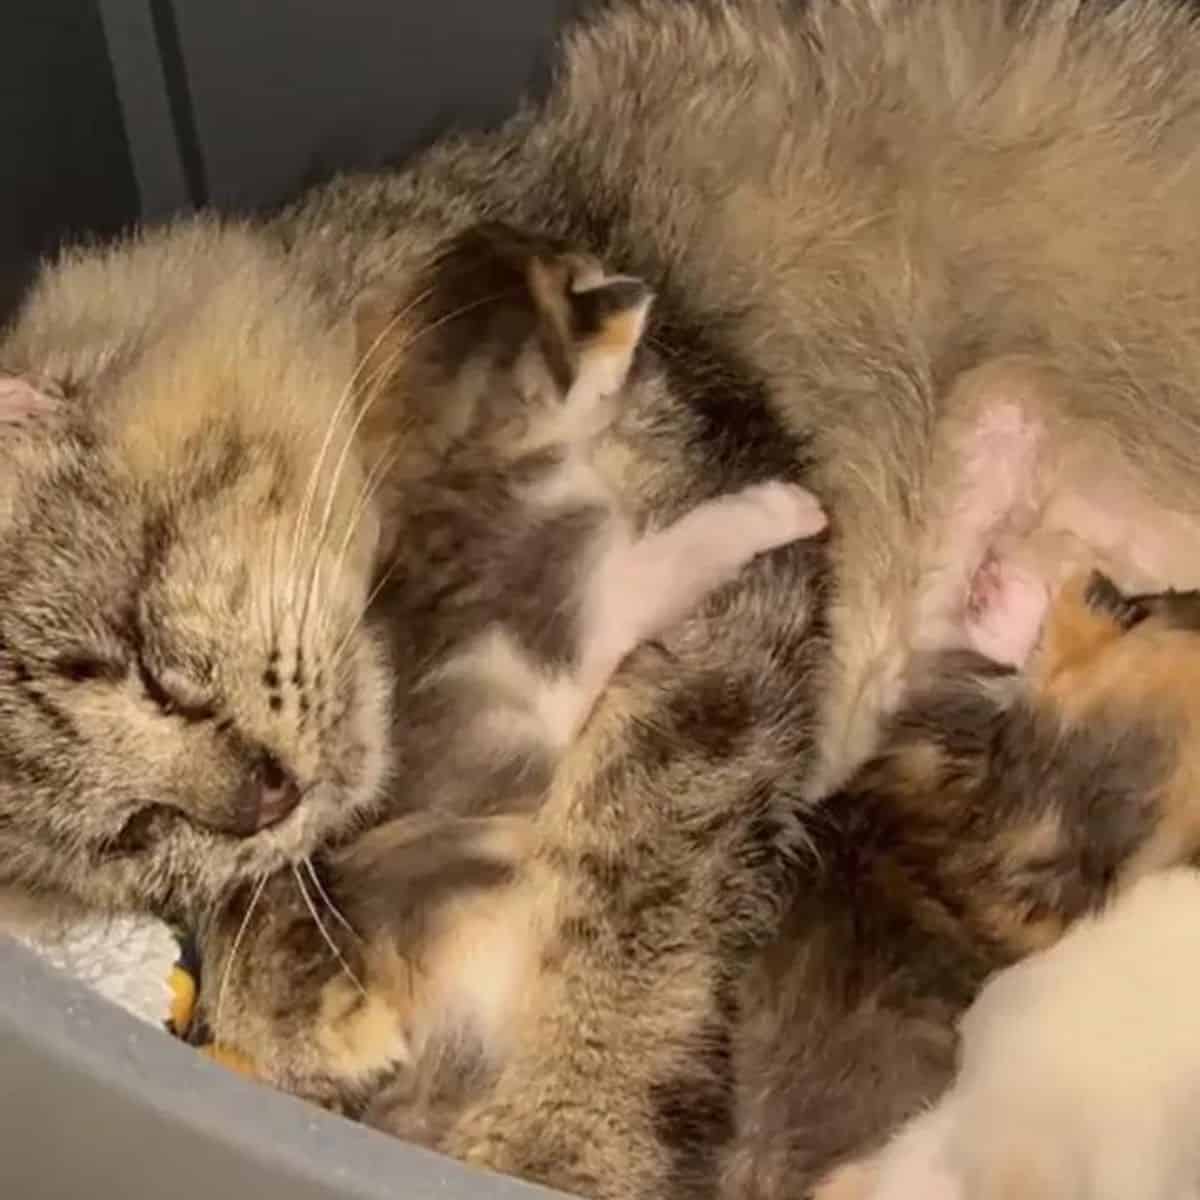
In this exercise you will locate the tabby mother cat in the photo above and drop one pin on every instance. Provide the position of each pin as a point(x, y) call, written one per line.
point(885, 239)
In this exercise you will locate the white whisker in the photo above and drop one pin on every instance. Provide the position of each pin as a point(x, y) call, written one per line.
point(374, 392)
point(312, 908)
point(331, 498)
point(339, 409)
point(346, 398)
point(233, 950)
point(374, 389)
point(343, 646)
point(374, 481)
point(328, 901)
point(310, 490)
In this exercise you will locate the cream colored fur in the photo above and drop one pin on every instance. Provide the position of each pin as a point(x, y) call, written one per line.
point(1080, 1073)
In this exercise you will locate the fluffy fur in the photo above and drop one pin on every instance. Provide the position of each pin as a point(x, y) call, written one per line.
point(842, 207)
point(1057, 1094)
point(864, 203)
point(171, 501)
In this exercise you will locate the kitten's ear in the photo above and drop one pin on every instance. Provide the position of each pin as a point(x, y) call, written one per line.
point(26, 401)
point(590, 323)
point(487, 298)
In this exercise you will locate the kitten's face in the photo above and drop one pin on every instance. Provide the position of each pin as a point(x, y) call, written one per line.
point(1130, 659)
point(188, 696)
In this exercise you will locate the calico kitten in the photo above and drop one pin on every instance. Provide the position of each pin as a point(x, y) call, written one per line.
point(514, 585)
point(1000, 809)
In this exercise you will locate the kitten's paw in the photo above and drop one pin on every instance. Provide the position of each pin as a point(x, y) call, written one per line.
point(791, 512)
point(1005, 610)
point(361, 1030)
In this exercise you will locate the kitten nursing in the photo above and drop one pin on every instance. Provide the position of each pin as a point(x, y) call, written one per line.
point(894, 247)
point(1065, 1056)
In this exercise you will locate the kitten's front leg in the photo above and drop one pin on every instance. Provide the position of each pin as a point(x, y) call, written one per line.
point(642, 587)
point(652, 583)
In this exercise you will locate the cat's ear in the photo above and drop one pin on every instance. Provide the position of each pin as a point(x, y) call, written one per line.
point(489, 299)
point(26, 401)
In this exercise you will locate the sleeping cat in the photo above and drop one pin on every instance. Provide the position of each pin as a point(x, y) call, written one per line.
point(874, 241)
point(177, 483)
point(843, 209)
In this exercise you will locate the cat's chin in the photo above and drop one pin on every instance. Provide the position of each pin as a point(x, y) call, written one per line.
point(162, 858)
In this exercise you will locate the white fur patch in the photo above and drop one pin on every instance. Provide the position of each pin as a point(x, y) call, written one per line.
point(1080, 1075)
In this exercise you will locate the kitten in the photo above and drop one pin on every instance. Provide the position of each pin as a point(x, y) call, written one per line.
point(516, 581)
point(866, 203)
point(1080, 1071)
point(513, 588)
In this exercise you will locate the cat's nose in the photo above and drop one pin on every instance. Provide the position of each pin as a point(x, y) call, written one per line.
point(268, 795)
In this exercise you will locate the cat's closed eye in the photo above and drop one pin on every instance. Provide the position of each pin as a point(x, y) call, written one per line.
point(171, 699)
point(85, 667)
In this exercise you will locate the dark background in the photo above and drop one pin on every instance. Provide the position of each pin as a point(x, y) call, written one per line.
point(113, 111)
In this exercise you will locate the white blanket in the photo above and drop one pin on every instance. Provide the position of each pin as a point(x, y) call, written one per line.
point(126, 959)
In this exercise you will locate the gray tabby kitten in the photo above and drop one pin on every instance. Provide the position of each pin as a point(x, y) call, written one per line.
point(890, 242)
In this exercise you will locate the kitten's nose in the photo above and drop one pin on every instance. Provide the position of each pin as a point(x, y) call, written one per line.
point(268, 795)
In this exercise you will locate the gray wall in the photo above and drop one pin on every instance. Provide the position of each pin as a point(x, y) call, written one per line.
point(261, 97)
point(63, 156)
point(115, 110)
point(283, 89)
